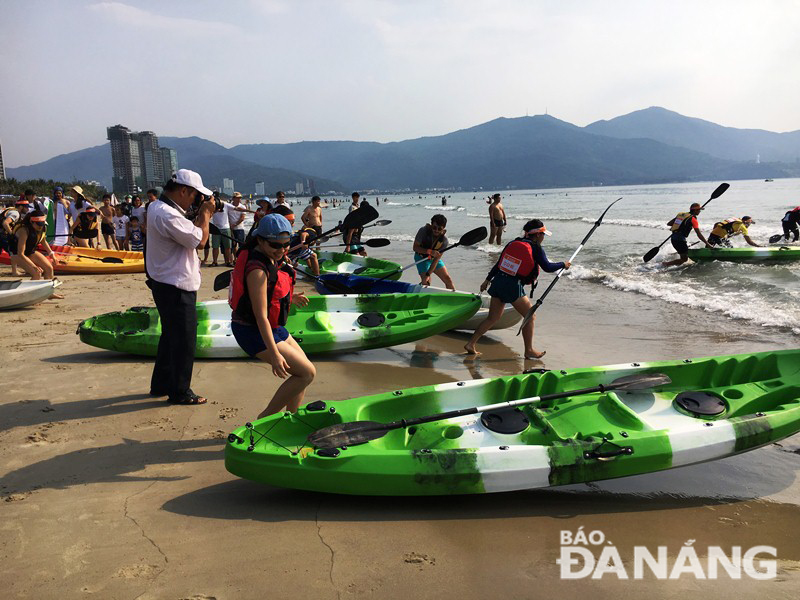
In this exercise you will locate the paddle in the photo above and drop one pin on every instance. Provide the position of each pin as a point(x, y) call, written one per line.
point(105, 259)
point(380, 223)
point(774, 239)
point(468, 239)
point(539, 301)
point(360, 432)
point(716, 194)
point(373, 243)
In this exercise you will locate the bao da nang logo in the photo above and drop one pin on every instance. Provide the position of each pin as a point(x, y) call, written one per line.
point(591, 555)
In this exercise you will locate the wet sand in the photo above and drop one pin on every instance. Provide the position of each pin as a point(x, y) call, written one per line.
point(108, 493)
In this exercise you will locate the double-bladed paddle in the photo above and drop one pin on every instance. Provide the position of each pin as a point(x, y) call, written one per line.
point(373, 243)
point(105, 259)
point(774, 239)
point(468, 239)
point(539, 301)
point(360, 432)
point(721, 189)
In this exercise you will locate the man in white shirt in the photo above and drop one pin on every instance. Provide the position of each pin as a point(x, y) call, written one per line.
point(173, 272)
point(236, 221)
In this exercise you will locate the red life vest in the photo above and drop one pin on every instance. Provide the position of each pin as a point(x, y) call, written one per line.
point(517, 261)
point(280, 283)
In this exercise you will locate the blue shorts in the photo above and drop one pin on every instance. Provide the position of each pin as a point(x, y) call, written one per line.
point(249, 337)
point(423, 267)
point(506, 288)
point(679, 243)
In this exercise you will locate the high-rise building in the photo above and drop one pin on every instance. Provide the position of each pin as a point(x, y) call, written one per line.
point(2, 168)
point(169, 160)
point(138, 161)
point(126, 160)
point(227, 187)
point(260, 188)
point(298, 188)
point(153, 166)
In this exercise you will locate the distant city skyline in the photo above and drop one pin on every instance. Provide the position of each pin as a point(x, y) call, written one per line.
point(382, 70)
point(138, 161)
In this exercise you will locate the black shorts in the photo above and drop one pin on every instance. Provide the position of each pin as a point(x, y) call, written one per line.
point(107, 229)
point(679, 243)
point(85, 235)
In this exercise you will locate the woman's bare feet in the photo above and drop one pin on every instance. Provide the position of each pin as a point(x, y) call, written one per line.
point(534, 354)
point(470, 348)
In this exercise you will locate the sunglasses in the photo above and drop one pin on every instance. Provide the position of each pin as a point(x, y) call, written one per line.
point(278, 245)
point(39, 223)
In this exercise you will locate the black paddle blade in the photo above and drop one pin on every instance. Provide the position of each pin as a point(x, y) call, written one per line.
point(377, 243)
point(222, 280)
point(774, 239)
point(382, 222)
point(651, 254)
point(473, 237)
point(359, 217)
point(641, 381)
point(347, 434)
point(723, 187)
point(213, 229)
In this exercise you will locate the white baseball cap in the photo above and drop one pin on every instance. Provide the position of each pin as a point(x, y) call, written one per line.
point(191, 179)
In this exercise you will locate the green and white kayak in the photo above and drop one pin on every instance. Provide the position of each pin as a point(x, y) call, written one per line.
point(748, 254)
point(342, 262)
point(712, 408)
point(326, 324)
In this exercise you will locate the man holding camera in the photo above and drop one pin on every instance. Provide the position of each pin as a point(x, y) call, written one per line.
point(173, 275)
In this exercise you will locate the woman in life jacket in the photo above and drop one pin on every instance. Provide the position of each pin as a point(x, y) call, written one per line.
point(28, 235)
point(86, 229)
point(517, 266)
point(260, 295)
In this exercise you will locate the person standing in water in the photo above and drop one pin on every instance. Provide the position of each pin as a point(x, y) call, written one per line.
point(681, 226)
point(518, 266)
point(789, 223)
point(497, 220)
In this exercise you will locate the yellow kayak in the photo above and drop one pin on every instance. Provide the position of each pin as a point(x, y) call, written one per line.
point(74, 259)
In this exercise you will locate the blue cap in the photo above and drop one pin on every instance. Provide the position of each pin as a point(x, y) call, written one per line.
point(272, 225)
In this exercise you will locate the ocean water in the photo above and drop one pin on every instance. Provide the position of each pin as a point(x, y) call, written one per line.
point(751, 294)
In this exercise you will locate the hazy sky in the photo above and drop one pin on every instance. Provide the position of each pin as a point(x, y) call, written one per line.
point(385, 70)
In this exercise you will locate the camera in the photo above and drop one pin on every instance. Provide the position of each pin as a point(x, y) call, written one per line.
point(199, 198)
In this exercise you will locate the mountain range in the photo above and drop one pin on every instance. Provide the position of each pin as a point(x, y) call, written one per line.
point(653, 145)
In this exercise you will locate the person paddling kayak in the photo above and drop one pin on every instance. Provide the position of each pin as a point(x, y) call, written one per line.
point(518, 265)
point(681, 226)
point(728, 228)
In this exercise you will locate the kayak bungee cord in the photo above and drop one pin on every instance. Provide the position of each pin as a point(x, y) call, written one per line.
point(539, 301)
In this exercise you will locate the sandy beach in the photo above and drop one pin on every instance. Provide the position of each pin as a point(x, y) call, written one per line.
point(109, 493)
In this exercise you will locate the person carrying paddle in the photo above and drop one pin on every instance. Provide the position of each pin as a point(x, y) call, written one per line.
point(428, 243)
point(681, 226)
point(261, 295)
point(352, 236)
point(301, 244)
point(518, 265)
point(728, 228)
point(789, 223)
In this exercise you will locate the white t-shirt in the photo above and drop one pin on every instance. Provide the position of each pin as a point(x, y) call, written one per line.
point(234, 215)
point(171, 247)
point(220, 219)
point(74, 212)
point(120, 225)
point(138, 211)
